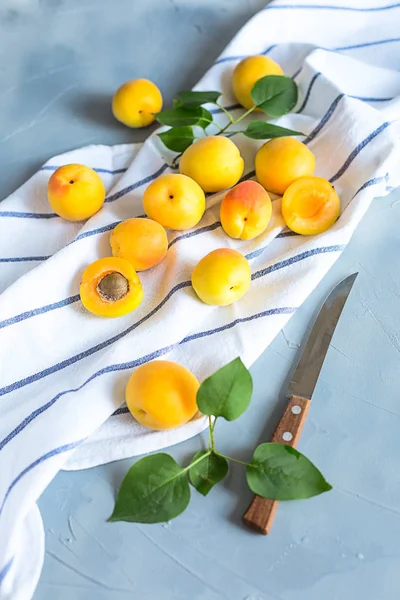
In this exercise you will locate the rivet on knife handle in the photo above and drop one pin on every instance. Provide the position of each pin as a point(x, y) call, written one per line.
point(261, 511)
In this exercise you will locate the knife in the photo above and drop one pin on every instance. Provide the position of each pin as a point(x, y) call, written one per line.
point(261, 511)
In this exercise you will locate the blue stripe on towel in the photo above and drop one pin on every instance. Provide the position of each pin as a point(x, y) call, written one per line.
point(331, 7)
point(97, 169)
point(6, 569)
point(17, 259)
point(38, 311)
point(357, 151)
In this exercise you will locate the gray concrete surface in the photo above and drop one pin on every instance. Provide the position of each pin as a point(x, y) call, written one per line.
point(61, 60)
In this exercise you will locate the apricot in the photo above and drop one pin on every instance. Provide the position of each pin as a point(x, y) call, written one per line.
point(110, 287)
point(310, 205)
point(221, 277)
point(162, 394)
point(214, 162)
point(175, 201)
point(143, 242)
point(135, 102)
point(246, 210)
point(248, 72)
point(75, 192)
point(281, 161)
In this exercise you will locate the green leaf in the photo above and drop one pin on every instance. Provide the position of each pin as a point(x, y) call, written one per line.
point(176, 103)
point(260, 130)
point(275, 94)
point(154, 490)
point(206, 118)
point(177, 138)
point(227, 393)
point(180, 116)
point(195, 99)
point(280, 472)
point(205, 474)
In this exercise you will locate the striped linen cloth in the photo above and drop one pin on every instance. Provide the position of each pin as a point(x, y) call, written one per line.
point(63, 371)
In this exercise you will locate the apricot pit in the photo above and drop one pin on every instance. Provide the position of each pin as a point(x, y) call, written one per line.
point(111, 287)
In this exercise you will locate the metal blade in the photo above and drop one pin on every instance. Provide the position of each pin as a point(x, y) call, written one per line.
point(306, 373)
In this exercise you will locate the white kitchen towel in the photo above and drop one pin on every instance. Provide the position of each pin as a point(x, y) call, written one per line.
point(63, 371)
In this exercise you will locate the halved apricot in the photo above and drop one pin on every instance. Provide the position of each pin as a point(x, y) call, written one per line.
point(310, 205)
point(110, 287)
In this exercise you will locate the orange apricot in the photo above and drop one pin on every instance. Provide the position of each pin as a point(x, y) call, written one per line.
point(248, 72)
point(143, 242)
point(246, 210)
point(75, 192)
point(310, 205)
point(110, 287)
point(162, 394)
point(221, 277)
point(281, 161)
point(175, 201)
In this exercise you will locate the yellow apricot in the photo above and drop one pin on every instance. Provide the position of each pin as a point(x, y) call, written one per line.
point(135, 102)
point(143, 242)
point(281, 161)
point(110, 287)
point(75, 192)
point(162, 394)
point(214, 162)
point(248, 72)
point(175, 201)
point(246, 210)
point(221, 277)
point(310, 205)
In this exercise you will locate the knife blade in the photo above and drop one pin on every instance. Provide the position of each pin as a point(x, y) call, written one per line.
point(306, 373)
point(261, 511)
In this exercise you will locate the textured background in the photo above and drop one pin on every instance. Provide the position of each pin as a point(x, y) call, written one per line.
point(61, 60)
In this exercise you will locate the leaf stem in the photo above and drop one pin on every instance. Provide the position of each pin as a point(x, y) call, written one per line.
point(240, 462)
point(175, 161)
point(228, 114)
point(212, 440)
point(196, 461)
point(248, 112)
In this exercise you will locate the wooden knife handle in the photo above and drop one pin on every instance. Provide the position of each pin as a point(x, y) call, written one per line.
point(261, 511)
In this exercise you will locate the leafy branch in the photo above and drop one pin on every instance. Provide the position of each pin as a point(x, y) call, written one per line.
point(275, 95)
point(156, 488)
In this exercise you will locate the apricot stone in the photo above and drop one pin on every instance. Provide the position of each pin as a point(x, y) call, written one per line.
point(110, 287)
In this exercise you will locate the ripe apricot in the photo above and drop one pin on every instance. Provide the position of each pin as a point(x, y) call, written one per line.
point(246, 210)
point(75, 192)
point(282, 160)
point(221, 277)
point(110, 287)
point(143, 242)
point(175, 201)
point(248, 72)
point(135, 102)
point(162, 394)
point(310, 205)
point(214, 162)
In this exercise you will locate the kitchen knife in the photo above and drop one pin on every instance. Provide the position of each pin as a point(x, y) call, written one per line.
point(261, 511)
